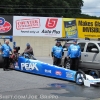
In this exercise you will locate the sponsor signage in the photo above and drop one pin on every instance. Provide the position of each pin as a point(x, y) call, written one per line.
point(47, 71)
point(69, 29)
point(6, 25)
point(69, 75)
point(29, 66)
point(58, 73)
point(88, 28)
point(27, 23)
point(37, 26)
point(80, 28)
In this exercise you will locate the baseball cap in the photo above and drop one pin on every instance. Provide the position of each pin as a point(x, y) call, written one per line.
point(74, 40)
point(27, 44)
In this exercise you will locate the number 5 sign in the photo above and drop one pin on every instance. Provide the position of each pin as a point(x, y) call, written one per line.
point(51, 23)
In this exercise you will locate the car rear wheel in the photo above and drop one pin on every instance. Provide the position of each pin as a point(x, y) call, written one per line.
point(67, 64)
point(80, 77)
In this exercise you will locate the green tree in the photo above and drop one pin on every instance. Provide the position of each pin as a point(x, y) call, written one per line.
point(50, 8)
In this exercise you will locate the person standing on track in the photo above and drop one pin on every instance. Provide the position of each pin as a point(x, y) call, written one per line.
point(74, 53)
point(57, 53)
point(5, 49)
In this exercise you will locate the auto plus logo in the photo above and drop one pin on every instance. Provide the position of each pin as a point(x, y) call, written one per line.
point(51, 24)
point(58, 73)
point(27, 23)
point(5, 26)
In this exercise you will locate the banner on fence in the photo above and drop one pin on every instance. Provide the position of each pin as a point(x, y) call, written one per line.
point(80, 28)
point(6, 25)
point(37, 26)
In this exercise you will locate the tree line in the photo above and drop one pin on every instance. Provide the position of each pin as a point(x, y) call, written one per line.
point(45, 8)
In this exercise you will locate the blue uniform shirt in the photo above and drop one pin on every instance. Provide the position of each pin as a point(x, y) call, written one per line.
point(74, 51)
point(6, 50)
point(57, 51)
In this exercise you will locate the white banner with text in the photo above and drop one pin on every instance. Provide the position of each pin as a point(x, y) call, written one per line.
point(37, 26)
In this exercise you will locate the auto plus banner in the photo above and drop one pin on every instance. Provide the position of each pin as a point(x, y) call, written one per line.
point(6, 25)
point(37, 26)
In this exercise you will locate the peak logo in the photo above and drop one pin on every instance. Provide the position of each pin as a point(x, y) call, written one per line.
point(51, 23)
point(27, 23)
point(29, 66)
point(4, 25)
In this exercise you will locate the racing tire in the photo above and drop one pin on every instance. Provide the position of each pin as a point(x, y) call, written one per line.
point(80, 77)
point(94, 74)
point(67, 63)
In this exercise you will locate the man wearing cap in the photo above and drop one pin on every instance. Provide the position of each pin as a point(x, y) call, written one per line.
point(74, 53)
point(57, 53)
point(5, 50)
point(28, 49)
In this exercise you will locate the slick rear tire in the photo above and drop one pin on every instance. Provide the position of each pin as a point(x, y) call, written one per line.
point(94, 74)
point(80, 77)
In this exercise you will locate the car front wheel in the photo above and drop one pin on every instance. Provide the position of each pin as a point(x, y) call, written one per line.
point(80, 77)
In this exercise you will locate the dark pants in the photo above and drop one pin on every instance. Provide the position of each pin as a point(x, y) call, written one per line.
point(74, 62)
point(6, 63)
point(57, 61)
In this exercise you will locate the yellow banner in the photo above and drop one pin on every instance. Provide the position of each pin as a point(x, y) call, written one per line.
point(88, 28)
point(69, 28)
point(80, 28)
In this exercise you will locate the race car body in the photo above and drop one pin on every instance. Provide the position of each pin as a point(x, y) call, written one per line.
point(41, 68)
point(29, 64)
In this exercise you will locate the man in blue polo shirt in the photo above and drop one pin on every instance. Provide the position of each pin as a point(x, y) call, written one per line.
point(74, 53)
point(5, 49)
point(57, 53)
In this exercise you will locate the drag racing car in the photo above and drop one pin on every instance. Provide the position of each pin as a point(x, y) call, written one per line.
point(26, 62)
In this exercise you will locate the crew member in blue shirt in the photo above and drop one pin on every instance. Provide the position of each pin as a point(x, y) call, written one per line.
point(74, 53)
point(57, 54)
point(5, 49)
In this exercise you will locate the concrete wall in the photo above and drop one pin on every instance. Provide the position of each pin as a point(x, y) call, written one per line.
point(41, 45)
